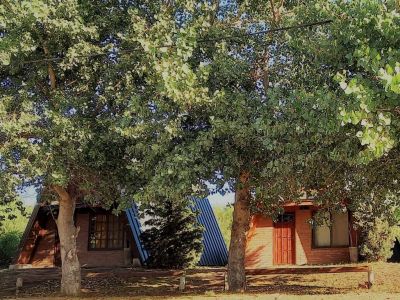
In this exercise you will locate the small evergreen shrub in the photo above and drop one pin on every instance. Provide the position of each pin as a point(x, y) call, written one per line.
point(8, 246)
point(378, 225)
point(172, 235)
point(11, 231)
point(379, 241)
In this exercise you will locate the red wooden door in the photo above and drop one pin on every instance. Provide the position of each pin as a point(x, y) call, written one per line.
point(284, 249)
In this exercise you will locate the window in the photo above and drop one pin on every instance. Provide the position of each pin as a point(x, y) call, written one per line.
point(106, 232)
point(285, 218)
point(334, 233)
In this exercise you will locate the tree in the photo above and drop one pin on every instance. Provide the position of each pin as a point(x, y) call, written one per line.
point(257, 110)
point(173, 236)
point(215, 117)
point(379, 240)
point(374, 88)
point(186, 94)
point(358, 51)
point(365, 64)
point(61, 95)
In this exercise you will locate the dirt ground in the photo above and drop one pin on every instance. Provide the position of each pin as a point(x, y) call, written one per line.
point(125, 283)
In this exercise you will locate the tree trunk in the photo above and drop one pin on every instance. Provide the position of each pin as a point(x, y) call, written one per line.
point(71, 269)
point(240, 226)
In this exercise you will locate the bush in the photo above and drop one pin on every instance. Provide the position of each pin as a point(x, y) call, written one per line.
point(11, 232)
point(377, 221)
point(8, 246)
point(379, 241)
point(173, 237)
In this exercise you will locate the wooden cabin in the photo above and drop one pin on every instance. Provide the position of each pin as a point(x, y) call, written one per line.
point(106, 240)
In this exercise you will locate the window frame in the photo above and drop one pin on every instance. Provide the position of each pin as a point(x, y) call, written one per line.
point(122, 224)
point(313, 246)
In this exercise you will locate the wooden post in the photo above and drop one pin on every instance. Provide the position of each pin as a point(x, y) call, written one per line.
point(18, 285)
point(371, 278)
point(182, 281)
point(226, 282)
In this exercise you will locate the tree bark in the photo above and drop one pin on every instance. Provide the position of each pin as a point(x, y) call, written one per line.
point(52, 74)
point(71, 269)
point(240, 226)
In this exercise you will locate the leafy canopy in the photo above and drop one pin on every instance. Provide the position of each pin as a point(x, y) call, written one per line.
point(154, 100)
point(64, 87)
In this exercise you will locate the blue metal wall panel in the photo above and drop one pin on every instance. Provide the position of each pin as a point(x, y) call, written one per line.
point(133, 218)
point(215, 252)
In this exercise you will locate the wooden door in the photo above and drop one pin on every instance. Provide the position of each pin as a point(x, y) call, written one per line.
point(284, 248)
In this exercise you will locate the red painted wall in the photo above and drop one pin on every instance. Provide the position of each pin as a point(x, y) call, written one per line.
point(305, 253)
point(259, 249)
point(39, 252)
point(94, 258)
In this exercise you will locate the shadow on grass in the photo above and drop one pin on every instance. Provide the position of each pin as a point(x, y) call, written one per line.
point(126, 284)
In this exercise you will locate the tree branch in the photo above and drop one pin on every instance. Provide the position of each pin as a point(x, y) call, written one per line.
point(125, 51)
point(392, 110)
point(274, 16)
point(61, 192)
point(265, 75)
point(52, 74)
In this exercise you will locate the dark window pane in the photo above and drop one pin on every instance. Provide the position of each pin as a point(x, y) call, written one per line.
point(105, 232)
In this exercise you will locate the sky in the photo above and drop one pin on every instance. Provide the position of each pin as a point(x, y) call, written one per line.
point(219, 200)
point(29, 198)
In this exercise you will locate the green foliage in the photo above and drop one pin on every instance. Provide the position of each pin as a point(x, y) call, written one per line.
point(224, 218)
point(151, 101)
point(18, 220)
point(172, 236)
point(347, 69)
point(62, 95)
point(377, 222)
point(374, 87)
point(9, 242)
point(11, 233)
point(379, 240)
point(221, 101)
point(213, 112)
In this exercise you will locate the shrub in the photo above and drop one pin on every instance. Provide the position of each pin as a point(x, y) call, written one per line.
point(11, 232)
point(378, 224)
point(8, 246)
point(379, 241)
point(173, 237)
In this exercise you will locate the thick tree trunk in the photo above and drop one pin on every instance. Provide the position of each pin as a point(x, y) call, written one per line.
point(70, 270)
point(70, 267)
point(240, 226)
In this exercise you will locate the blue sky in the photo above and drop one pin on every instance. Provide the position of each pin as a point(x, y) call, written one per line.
point(219, 200)
point(29, 198)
